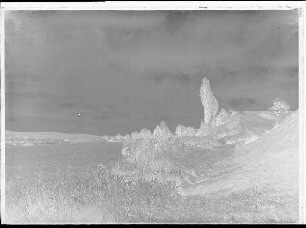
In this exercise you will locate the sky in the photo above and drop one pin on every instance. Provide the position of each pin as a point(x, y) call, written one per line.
point(110, 72)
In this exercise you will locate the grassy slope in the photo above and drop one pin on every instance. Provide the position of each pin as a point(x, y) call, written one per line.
point(272, 159)
point(256, 182)
point(265, 170)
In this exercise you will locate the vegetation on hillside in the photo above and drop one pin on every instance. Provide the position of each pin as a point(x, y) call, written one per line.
point(147, 185)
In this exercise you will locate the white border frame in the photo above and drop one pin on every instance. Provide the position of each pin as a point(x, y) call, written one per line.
point(155, 5)
point(193, 5)
point(302, 126)
point(2, 119)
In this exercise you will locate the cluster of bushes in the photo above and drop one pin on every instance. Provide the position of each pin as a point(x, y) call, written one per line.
point(182, 131)
point(224, 116)
point(152, 152)
point(211, 120)
point(163, 132)
point(161, 155)
point(156, 151)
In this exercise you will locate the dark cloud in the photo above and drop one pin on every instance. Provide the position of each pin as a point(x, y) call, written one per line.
point(157, 78)
point(176, 19)
point(69, 105)
point(260, 71)
point(243, 103)
point(31, 95)
point(292, 72)
point(162, 77)
point(148, 64)
point(112, 111)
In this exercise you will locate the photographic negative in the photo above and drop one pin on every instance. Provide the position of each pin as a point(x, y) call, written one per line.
point(151, 116)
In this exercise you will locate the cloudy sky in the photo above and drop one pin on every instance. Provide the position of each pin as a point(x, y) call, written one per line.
point(125, 70)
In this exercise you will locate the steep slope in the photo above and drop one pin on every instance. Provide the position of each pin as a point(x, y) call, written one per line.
point(271, 162)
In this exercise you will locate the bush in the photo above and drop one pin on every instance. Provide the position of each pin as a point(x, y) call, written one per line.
point(182, 131)
point(222, 117)
point(232, 112)
point(145, 133)
point(204, 130)
point(147, 151)
point(118, 137)
point(162, 132)
point(126, 137)
point(157, 156)
point(279, 107)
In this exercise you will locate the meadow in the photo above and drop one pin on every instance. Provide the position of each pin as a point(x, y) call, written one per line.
point(182, 181)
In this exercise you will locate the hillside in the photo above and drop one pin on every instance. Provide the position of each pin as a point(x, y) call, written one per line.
point(38, 138)
point(270, 162)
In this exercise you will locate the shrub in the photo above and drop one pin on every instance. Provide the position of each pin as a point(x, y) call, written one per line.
point(191, 131)
point(145, 133)
point(222, 117)
point(144, 152)
point(204, 130)
point(279, 107)
point(118, 137)
point(232, 112)
point(182, 131)
point(126, 137)
point(162, 132)
point(154, 155)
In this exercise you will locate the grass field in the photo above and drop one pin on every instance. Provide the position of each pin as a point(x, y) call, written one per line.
point(256, 182)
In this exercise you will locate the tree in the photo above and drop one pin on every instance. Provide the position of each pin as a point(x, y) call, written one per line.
point(135, 135)
point(162, 131)
point(180, 130)
point(204, 130)
point(279, 107)
point(126, 137)
point(191, 131)
point(210, 103)
point(222, 117)
point(118, 137)
point(145, 133)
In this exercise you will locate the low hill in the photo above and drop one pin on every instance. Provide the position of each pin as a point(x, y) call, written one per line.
point(13, 138)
